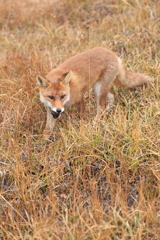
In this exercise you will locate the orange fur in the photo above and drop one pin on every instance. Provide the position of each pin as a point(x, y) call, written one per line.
point(99, 68)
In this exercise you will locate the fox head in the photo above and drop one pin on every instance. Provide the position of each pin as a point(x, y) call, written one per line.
point(55, 95)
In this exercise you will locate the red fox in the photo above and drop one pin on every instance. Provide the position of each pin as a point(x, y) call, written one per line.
point(65, 85)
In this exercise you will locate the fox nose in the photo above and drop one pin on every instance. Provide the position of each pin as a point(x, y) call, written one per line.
point(58, 110)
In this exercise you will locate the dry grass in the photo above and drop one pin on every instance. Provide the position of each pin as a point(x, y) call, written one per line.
point(89, 183)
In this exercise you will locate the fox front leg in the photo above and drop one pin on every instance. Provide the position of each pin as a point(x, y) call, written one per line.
point(50, 123)
point(81, 108)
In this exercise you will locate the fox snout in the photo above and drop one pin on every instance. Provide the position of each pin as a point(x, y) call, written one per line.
point(56, 112)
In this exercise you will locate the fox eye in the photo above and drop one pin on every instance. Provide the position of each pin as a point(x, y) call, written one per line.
point(63, 96)
point(51, 97)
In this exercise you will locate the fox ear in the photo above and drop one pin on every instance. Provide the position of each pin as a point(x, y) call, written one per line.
point(42, 81)
point(67, 77)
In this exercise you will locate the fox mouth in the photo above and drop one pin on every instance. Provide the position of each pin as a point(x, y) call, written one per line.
point(55, 114)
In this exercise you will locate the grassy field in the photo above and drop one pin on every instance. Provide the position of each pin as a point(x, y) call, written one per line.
point(89, 183)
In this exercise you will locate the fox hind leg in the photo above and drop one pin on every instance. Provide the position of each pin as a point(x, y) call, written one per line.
point(100, 95)
point(110, 97)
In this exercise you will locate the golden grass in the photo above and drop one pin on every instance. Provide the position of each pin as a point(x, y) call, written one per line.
point(91, 182)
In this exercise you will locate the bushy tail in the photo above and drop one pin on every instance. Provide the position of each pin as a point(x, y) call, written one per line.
point(130, 79)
